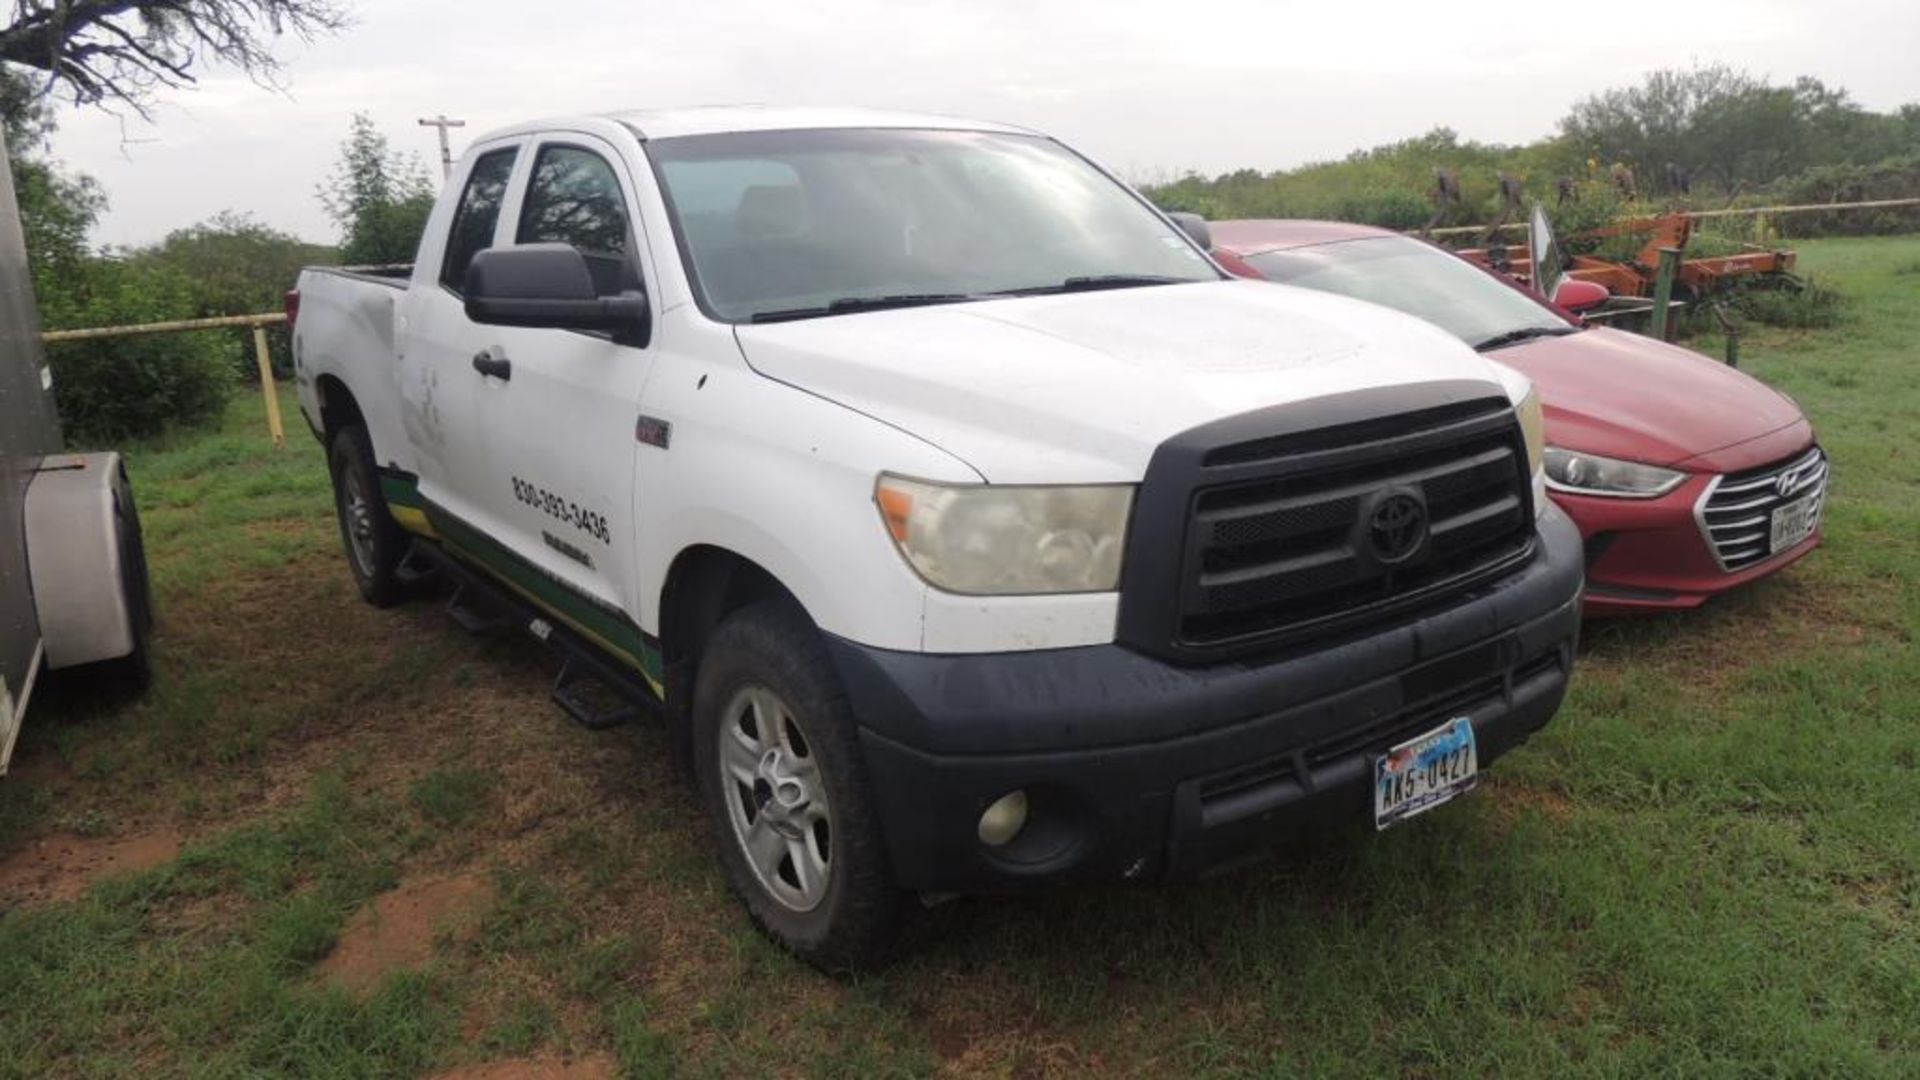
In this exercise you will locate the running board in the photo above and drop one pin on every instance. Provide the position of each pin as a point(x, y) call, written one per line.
point(475, 612)
point(576, 676)
point(415, 569)
point(481, 606)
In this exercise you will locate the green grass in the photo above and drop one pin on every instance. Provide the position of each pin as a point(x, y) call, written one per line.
point(1708, 865)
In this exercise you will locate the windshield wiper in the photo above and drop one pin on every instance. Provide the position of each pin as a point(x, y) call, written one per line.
point(1096, 282)
point(847, 305)
point(1525, 333)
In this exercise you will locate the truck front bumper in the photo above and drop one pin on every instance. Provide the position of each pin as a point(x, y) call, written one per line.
point(1135, 769)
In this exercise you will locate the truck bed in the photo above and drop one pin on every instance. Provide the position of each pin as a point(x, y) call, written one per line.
point(392, 275)
point(347, 324)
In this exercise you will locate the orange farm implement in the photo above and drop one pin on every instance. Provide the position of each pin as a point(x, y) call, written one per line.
point(1636, 276)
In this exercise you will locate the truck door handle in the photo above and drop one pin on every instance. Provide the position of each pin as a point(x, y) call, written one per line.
point(486, 363)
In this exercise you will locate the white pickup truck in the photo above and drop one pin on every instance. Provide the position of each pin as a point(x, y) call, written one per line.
point(969, 528)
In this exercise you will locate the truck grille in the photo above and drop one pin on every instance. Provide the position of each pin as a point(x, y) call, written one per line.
point(1278, 537)
point(1736, 516)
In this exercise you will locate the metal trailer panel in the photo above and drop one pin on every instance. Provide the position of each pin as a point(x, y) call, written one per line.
point(28, 430)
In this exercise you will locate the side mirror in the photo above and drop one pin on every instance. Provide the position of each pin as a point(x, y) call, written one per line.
point(1195, 227)
point(548, 286)
point(1577, 296)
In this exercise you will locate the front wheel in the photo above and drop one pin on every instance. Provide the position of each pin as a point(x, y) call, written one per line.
point(375, 543)
point(785, 791)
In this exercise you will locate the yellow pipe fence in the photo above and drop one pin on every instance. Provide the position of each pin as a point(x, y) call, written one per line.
point(258, 323)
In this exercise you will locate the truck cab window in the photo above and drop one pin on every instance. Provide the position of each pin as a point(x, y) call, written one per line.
point(574, 198)
point(475, 217)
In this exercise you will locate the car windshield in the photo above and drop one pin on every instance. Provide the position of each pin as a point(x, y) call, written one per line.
point(1421, 280)
point(796, 224)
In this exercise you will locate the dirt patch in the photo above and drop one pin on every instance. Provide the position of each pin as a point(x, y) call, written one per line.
point(1551, 804)
point(62, 866)
point(40, 767)
point(544, 1067)
point(397, 930)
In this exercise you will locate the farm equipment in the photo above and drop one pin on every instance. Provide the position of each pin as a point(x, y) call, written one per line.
point(1637, 276)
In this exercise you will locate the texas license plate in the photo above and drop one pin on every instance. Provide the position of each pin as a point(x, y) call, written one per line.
point(1795, 522)
point(1424, 772)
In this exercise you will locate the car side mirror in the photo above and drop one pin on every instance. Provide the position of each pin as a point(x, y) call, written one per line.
point(549, 286)
point(1578, 296)
point(1195, 227)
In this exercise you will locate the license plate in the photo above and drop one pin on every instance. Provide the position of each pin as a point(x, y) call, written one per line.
point(1424, 772)
point(1795, 522)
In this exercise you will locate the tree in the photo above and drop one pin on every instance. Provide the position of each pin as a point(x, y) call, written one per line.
point(238, 266)
point(1725, 126)
point(1656, 122)
point(106, 390)
point(242, 266)
point(379, 198)
point(24, 115)
point(118, 53)
point(57, 210)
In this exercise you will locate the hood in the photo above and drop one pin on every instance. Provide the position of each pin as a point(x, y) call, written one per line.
point(1080, 388)
point(1626, 396)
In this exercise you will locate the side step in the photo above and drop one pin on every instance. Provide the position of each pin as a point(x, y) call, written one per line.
point(415, 569)
point(591, 711)
point(594, 690)
point(475, 614)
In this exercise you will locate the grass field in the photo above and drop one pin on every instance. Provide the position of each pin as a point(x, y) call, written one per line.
point(341, 842)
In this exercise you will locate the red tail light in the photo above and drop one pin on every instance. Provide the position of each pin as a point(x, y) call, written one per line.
point(293, 307)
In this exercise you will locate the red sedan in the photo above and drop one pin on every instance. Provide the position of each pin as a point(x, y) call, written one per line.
point(1687, 477)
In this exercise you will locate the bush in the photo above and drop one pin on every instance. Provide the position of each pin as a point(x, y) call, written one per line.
point(1895, 178)
point(240, 267)
point(115, 388)
point(1812, 306)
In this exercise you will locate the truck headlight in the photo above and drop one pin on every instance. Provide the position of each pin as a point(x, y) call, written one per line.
point(994, 540)
point(1533, 426)
point(1591, 474)
point(1533, 430)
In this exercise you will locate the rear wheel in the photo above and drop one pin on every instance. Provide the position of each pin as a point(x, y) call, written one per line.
point(786, 793)
point(375, 543)
point(135, 670)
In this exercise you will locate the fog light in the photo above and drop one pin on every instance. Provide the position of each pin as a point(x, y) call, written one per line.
point(1004, 819)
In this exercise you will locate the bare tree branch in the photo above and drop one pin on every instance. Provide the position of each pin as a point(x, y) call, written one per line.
point(119, 53)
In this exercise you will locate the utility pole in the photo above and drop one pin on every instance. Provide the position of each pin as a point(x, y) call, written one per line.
point(446, 154)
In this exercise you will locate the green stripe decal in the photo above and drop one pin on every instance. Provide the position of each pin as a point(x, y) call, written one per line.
point(400, 489)
point(612, 627)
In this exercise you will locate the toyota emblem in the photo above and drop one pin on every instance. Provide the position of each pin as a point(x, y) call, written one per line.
point(1398, 528)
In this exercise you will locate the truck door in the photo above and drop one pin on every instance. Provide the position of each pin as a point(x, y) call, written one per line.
point(560, 426)
point(444, 399)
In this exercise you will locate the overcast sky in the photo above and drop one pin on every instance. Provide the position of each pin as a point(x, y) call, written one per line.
point(1151, 88)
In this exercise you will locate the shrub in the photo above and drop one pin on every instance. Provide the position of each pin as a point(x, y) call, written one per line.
point(1812, 306)
point(240, 267)
point(1894, 178)
point(114, 388)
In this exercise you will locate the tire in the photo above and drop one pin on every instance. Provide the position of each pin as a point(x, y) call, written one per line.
point(132, 674)
point(374, 542)
point(124, 678)
point(820, 884)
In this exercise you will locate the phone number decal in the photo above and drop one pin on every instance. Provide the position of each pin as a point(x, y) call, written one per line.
point(562, 509)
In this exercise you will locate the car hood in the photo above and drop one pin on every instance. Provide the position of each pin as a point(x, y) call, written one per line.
point(1080, 388)
point(1626, 396)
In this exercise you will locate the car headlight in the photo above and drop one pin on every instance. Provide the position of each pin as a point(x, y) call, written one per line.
point(992, 540)
point(1591, 474)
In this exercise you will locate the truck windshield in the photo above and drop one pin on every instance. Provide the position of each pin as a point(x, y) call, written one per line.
point(799, 224)
point(1405, 274)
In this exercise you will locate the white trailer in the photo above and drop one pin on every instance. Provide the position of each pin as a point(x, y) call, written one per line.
point(73, 573)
